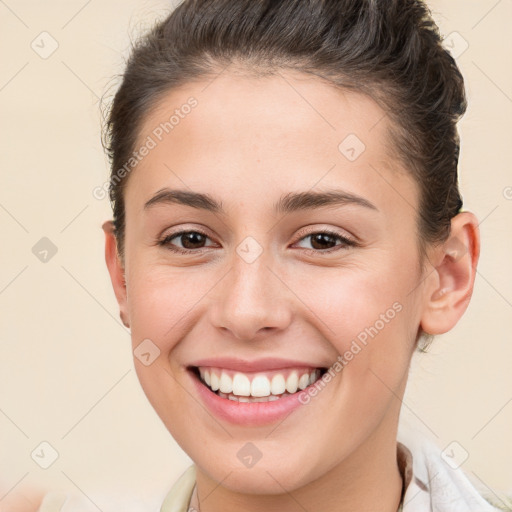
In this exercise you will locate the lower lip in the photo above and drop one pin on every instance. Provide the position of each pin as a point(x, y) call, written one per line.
point(247, 413)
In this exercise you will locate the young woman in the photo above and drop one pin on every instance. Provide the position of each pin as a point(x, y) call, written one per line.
point(287, 231)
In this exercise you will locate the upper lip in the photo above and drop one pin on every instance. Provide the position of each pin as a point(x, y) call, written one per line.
point(267, 363)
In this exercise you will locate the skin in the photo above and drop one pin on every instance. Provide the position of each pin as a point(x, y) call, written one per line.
point(248, 142)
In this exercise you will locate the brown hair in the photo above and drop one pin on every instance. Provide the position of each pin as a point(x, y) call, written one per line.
point(388, 49)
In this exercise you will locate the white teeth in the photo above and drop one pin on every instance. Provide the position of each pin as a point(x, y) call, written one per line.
point(241, 385)
point(278, 385)
point(260, 399)
point(234, 398)
point(214, 384)
point(292, 382)
point(260, 386)
point(304, 381)
point(226, 384)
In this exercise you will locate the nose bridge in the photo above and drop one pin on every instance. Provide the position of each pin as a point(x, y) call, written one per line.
point(251, 298)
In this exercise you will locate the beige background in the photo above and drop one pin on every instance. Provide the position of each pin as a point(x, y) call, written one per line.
point(66, 369)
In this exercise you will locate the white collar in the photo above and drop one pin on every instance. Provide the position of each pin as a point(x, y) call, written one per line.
point(431, 485)
point(434, 483)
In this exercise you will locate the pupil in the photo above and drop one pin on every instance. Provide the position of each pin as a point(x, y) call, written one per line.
point(192, 238)
point(322, 237)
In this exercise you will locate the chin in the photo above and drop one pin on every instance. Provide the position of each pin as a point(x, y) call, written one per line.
point(265, 477)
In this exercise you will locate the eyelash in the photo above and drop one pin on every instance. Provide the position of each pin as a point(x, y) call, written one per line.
point(346, 242)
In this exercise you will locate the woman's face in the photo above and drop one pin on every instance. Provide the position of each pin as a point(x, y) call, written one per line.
point(262, 289)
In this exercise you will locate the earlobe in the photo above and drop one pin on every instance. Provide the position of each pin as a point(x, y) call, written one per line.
point(116, 270)
point(450, 284)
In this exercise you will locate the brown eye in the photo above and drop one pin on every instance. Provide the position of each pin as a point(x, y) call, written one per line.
point(192, 240)
point(326, 242)
point(189, 240)
point(322, 241)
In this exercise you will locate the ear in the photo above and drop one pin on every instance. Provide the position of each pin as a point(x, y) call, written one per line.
point(450, 283)
point(116, 270)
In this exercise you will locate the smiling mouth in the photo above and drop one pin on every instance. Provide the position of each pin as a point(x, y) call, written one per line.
point(256, 386)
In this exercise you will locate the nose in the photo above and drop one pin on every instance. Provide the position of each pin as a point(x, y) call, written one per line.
point(251, 300)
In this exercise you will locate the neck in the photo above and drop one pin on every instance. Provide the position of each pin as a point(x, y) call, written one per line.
point(368, 480)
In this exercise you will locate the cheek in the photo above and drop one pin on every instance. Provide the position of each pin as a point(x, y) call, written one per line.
point(369, 318)
point(163, 301)
point(358, 303)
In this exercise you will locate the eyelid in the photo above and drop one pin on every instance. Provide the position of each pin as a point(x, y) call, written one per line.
point(308, 230)
point(173, 234)
point(172, 231)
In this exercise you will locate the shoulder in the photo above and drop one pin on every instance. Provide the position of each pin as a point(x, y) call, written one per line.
point(438, 483)
point(178, 498)
point(60, 501)
point(77, 501)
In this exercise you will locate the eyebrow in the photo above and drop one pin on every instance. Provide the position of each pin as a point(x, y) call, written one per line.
point(288, 203)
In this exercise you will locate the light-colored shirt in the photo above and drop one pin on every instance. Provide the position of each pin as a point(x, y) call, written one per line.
point(433, 482)
point(431, 485)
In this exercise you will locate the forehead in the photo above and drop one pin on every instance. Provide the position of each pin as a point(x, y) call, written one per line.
point(251, 136)
point(287, 104)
